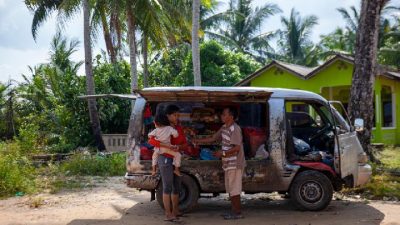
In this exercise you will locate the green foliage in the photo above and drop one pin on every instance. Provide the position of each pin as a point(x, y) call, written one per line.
point(390, 158)
point(97, 165)
point(383, 185)
point(113, 78)
point(240, 28)
point(295, 44)
point(16, 172)
point(53, 118)
point(219, 67)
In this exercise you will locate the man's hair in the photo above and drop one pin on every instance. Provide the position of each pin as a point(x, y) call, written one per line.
point(232, 111)
point(171, 109)
point(161, 119)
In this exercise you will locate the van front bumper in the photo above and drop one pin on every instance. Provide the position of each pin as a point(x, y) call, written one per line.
point(142, 181)
point(364, 174)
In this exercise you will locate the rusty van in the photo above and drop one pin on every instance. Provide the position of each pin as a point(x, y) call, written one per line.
point(311, 146)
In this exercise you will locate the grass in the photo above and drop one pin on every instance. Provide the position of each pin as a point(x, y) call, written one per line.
point(17, 174)
point(96, 165)
point(384, 185)
point(390, 158)
point(19, 177)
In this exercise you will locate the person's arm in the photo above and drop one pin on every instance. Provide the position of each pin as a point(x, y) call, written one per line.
point(236, 142)
point(215, 137)
point(231, 152)
point(152, 140)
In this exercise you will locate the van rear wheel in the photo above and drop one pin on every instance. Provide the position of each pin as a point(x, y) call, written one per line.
point(311, 190)
point(188, 196)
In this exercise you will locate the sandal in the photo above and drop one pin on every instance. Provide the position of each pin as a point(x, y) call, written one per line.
point(233, 216)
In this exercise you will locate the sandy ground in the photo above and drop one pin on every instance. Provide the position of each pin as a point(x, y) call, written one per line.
point(111, 202)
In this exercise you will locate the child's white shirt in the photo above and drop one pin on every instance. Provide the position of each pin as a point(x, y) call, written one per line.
point(163, 134)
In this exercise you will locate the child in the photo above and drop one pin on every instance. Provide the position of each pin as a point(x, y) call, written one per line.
point(163, 133)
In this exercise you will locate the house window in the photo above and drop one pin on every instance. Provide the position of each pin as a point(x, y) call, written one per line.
point(300, 108)
point(387, 107)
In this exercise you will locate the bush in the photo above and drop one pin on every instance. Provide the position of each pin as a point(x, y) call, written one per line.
point(16, 171)
point(96, 165)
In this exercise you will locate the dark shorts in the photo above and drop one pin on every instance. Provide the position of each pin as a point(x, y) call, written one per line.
point(171, 182)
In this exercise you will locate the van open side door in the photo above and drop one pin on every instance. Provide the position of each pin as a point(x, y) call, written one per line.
point(347, 144)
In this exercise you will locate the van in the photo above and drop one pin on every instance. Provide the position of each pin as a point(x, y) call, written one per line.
point(296, 143)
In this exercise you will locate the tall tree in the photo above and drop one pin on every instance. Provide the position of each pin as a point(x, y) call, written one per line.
point(362, 94)
point(195, 42)
point(241, 29)
point(94, 116)
point(295, 43)
point(66, 8)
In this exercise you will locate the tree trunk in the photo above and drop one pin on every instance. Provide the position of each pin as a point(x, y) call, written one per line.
point(195, 42)
point(115, 30)
point(10, 131)
point(362, 92)
point(145, 63)
point(132, 51)
point(107, 38)
point(133, 164)
point(94, 116)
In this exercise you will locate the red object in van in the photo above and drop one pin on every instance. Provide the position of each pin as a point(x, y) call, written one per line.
point(145, 153)
point(192, 151)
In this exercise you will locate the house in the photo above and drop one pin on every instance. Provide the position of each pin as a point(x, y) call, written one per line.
point(332, 80)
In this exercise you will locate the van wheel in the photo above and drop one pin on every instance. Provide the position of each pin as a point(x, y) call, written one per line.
point(188, 196)
point(311, 190)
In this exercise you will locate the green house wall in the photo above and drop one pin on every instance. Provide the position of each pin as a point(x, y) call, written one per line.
point(331, 82)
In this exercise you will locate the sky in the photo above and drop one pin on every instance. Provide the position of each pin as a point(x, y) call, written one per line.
point(18, 50)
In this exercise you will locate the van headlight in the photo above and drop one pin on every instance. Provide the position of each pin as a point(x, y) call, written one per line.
point(363, 158)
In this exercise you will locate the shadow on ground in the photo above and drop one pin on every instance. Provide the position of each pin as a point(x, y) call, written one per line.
point(256, 211)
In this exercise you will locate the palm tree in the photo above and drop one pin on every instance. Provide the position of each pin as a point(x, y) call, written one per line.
point(344, 41)
point(66, 8)
point(295, 43)
point(195, 42)
point(389, 53)
point(241, 28)
point(362, 94)
point(94, 116)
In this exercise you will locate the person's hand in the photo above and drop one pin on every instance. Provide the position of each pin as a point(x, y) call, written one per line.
point(218, 154)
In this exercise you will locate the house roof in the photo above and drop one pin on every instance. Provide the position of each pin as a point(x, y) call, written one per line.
point(308, 72)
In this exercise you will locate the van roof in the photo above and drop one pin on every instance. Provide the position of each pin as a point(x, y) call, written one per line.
point(259, 91)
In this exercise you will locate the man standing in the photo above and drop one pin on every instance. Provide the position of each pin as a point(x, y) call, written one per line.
point(233, 161)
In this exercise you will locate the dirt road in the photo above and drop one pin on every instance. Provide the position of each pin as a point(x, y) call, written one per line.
point(112, 203)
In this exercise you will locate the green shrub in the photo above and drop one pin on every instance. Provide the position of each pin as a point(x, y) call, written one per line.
point(96, 165)
point(16, 171)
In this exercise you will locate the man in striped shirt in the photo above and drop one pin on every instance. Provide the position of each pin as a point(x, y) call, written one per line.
point(233, 161)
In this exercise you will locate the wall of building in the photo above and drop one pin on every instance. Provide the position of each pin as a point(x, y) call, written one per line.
point(338, 76)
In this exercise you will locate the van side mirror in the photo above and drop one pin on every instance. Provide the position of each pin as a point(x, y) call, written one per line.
point(359, 124)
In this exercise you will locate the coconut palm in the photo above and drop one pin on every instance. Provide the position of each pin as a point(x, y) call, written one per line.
point(195, 42)
point(241, 29)
point(295, 44)
point(344, 40)
point(362, 94)
point(65, 9)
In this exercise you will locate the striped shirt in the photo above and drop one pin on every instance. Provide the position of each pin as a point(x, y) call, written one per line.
point(229, 137)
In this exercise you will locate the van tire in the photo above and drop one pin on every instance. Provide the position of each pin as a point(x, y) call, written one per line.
point(311, 190)
point(187, 198)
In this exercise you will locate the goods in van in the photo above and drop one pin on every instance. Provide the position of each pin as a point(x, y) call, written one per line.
point(204, 115)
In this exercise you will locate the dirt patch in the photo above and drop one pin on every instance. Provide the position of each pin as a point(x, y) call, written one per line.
point(111, 202)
